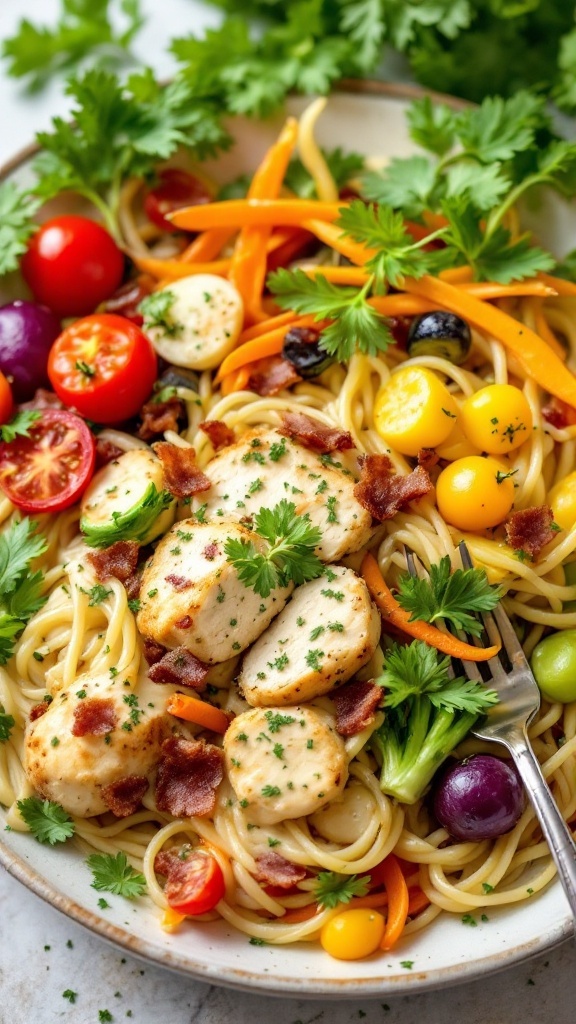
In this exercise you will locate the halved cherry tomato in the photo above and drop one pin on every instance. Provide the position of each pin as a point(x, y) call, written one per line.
point(197, 886)
point(175, 188)
point(72, 264)
point(6, 399)
point(48, 470)
point(104, 366)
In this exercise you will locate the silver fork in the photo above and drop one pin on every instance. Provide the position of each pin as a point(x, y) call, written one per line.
point(507, 722)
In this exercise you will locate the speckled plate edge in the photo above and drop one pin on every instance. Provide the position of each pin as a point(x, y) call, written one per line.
point(245, 980)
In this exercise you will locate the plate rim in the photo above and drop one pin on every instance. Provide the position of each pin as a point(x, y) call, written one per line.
point(241, 979)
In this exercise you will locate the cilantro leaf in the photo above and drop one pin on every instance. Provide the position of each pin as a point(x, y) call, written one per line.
point(7, 723)
point(381, 228)
point(156, 310)
point(483, 186)
point(356, 325)
point(406, 184)
point(113, 873)
point(332, 888)
point(84, 31)
point(432, 125)
point(414, 670)
point(48, 821)
point(450, 596)
point(290, 556)
point(500, 128)
point(19, 425)
point(17, 209)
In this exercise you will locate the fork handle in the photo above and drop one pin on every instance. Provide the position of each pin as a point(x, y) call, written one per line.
point(556, 832)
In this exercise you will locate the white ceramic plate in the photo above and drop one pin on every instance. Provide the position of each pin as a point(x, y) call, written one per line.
point(369, 119)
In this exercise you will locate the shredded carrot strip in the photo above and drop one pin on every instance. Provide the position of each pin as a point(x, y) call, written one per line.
point(481, 289)
point(198, 711)
point(394, 614)
point(207, 246)
point(254, 212)
point(378, 899)
point(248, 270)
point(533, 354)
point(559, 285)
point(332, 236)
point(456, 275)
point(417, 901)
point(269, 344)
point(175, 269)
point(300, 914)
point(266, 326)
point(236, 381)
point(544, 330)
point(397, 901)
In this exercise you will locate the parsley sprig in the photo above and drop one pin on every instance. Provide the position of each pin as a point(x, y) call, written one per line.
point(332, 888)
point(290, 556)
point(416, 669)
point(453, 597)
point(48, 821)
point(19, 425)
point(20, 590)
point(113, 873)
point(17, 224)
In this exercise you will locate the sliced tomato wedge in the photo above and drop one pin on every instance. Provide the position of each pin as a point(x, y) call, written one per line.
point(104, 366)
point(50, 469)
point(196, 884)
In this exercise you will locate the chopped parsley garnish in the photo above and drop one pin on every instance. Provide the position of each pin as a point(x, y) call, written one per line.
point(7, 723)
point(332, 888)
point(97, 594)
point(276, 720)
point(47, 821)
point(271, 791)
point(113, 873)
point(20, 589)
point(70, 995)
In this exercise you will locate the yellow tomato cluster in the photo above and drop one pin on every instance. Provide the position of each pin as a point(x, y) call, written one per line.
point(416, 410)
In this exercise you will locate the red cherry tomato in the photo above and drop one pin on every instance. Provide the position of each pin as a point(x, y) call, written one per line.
point(72, 264)
point(104, 366)
point(197, 886)
point(175, 188)
point(6, 400)
point(48, 470)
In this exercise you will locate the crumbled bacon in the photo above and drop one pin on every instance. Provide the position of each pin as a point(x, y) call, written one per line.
point(382, 492)
point(178, 582)
point(427, 458)
point(210, 551)
point(276, 870)
point(180, 667)
point(182, 477)
point(153, 652)
point(220, 435)
point(313, 434)
point(271, 375)
point(189, 773)
point(38, 710)
point(184, 623)
point(530, 529)
point(158, 417)
point(559, 414)
point(106, 451)
point(124, 796)
point(94, 716)
point(119, 560)
point(132, 586)
point(356, 705)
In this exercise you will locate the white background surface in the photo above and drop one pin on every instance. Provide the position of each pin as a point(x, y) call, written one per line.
point(37, 962)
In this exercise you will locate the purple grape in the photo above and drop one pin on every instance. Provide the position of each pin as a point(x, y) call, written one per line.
point(27, 332)
point(479, 798)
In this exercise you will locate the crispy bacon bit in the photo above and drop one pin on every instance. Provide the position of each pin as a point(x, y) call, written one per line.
point(124, 796)
point(178, 582)
point(314, 435)
point(220, 435)
point(210, 551)
point(94, 716)
point(559, 414)
point(153, 652)
point(271, 375)
point(182, 477)
point(356, 705)
point(382, 492)
point(180, 667)
point(132, 586)
point(119, 560)
point(427, 458)
point(38, 710)
point(106, 451)
point(157, 417)
point(184, 623)
point(189, 773)
point(276, 870)
point(531, 529)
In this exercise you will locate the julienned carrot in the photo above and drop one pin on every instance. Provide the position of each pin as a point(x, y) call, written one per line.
point(198, 711)
point(480, 289)
point(560, 285)
point(236, 381)
point(175, 269)
point(417, 901)
point(544, 330)
point(456, 275)
point(397, 890)
point(393, 613)
point(207, 245)
point(300, 914)
point(283, 319)
point(269, 344)
point(533, 354)
point(332, 236)
point(248, 269)
point(251, 212)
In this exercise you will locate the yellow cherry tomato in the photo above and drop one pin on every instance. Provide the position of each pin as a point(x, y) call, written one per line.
point(353, 934)
point(475, 493)
point(497, 419)
point(456, 445)
point(562, 499)
point(414, 410)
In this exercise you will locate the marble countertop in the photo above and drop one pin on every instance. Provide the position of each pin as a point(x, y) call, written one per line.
point(43, 954)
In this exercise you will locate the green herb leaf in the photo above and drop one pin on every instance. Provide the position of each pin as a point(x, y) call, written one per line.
point(450, 596)
point(17, 224)
point(332, 888)
point(19, 425)
point(47, 821)
point(157, 312)
point(381, 228)
point(113, 873)
point(7, 723)
point(414, 670)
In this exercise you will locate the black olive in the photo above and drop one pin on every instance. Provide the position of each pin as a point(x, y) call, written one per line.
point(440, 334)
point(302, 349)
point(178, 377)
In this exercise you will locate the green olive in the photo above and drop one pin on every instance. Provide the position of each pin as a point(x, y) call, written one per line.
point(554, 666)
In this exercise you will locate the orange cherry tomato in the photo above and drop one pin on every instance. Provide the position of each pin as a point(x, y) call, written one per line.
point(6, 400)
